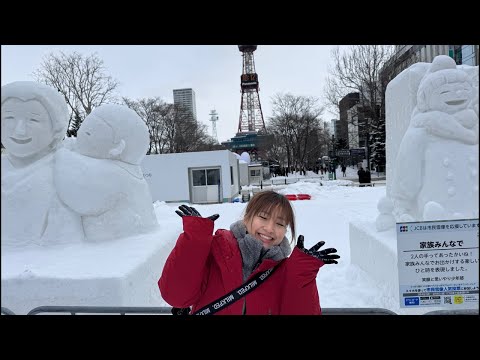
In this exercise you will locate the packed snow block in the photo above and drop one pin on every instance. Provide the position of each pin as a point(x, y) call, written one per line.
point(118, 273)
point(400, 99)
point(376, 254)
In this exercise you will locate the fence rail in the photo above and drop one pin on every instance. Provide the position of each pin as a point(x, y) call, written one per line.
point(166, 310)
point(357, 311)
point(7, 311)
point(287, 180)
point(453, 312)
point(121, 310)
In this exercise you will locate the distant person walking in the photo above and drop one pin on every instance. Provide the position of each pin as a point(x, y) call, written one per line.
point(344, 170)
point(361, 175)
point(368, 176)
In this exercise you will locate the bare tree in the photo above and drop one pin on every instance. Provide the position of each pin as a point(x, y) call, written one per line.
point(153, 112)
point(357, 70)
point(182, 133)
point(81, 80)
point(276, 151)
point(171, 128)
point(296, 125)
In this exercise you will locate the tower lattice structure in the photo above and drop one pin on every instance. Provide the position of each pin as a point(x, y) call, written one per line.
point(251, 116)
point(214, 118)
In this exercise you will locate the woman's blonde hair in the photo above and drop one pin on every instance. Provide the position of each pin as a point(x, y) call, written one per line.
point(267, 201)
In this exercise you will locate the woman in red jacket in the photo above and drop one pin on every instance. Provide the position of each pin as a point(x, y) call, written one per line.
point(203, 267)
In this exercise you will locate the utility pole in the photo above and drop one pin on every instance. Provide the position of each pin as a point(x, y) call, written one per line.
point(334, 159)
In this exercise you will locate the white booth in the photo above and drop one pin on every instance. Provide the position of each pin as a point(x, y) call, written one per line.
point(196, 177)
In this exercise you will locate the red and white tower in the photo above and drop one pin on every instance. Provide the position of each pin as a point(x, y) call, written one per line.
point(251, 116)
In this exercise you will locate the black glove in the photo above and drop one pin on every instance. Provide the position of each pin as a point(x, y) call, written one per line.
point(180, 311)
point(185, 210)
point(323, 255)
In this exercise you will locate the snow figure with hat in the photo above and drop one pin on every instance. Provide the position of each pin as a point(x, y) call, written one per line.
point(437, 163)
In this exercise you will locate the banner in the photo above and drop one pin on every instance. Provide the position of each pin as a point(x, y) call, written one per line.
point(438, 263)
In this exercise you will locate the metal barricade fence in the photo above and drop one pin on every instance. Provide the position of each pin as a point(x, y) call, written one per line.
point(453, 312)
point(121, 310)
point(7, 311)
point(357, 311)
point(166, 310)
point(73, 310)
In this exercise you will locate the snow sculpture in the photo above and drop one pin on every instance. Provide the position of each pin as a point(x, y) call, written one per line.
point(105, 183)
point(34, 122)
point(436, 168)
point(385, 220)
point(245, 156)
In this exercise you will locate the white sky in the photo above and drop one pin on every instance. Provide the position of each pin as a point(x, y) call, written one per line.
point(213, 71)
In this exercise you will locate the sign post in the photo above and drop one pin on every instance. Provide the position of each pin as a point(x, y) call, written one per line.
point(438, 263)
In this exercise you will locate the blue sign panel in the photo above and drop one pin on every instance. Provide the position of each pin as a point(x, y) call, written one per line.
point(412, 301)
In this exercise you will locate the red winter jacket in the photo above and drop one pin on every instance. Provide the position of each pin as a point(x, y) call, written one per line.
point(203, 267)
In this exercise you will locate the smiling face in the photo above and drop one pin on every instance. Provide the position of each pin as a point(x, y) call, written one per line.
point(267, 227)
point(451, 98)
point(26, 127)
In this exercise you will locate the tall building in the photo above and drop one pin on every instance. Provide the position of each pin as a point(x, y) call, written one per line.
point(407, 55)
point(341, 126)
point(330, 126)
point(186, 98)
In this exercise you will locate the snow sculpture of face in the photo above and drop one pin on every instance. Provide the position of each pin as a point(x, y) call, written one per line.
point(34, 119)
point(95, 137)
point(113, 132)
point(451, 97)
point(445, 88)
point(26, 127)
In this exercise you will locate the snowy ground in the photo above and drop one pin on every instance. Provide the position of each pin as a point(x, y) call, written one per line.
point(333, 205)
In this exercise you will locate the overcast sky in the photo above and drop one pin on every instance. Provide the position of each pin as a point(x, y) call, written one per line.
point(213, 71)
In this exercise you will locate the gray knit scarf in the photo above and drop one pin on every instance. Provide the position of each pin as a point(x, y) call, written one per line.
point(253, 251)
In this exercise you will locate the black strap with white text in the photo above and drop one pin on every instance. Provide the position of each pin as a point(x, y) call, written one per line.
point(235, 295)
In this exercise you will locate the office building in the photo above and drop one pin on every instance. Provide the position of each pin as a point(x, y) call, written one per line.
point(186, 98)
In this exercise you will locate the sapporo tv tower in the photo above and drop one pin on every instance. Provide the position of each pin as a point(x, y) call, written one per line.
point(251, 116)
point(251, 136)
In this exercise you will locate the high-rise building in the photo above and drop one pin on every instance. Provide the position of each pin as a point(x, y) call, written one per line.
point(329, 126)
point(346, 103)
point(407, 55)
point(186, 98)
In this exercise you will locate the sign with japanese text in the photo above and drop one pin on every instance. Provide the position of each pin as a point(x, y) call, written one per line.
point(343, 152)
point(438, 263)
point(357, 152)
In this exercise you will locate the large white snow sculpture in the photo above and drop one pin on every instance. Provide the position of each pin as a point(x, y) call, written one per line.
point(105, 183)
point(34, 122)
point(437, 162)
